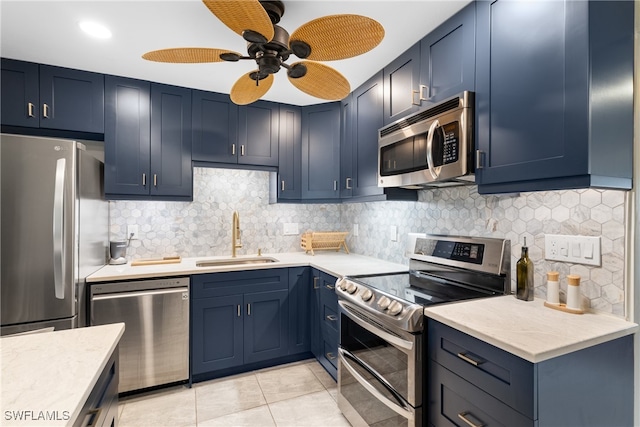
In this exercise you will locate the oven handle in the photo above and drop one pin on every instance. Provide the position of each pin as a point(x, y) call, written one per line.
point(400, 408)
point(399, 342)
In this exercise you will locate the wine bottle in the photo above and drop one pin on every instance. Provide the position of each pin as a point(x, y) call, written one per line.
point(524, 275)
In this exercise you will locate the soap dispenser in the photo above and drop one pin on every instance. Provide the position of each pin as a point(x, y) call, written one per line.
point(524, 275)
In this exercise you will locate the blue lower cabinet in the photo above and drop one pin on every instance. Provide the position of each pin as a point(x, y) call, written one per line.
point(325, 321)
point(248, 319)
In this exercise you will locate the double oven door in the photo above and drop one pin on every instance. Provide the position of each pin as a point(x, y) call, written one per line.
point(379, 371)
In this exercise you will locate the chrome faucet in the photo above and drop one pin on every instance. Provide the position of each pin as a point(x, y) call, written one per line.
point(235, 234)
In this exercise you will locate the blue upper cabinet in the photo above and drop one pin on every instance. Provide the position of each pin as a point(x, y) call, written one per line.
point(401, 85)
point(346, 147)
point(47, 97)
point(554, 95)
point(215, 127)
point(441, 65)
point(448, 58)
point(147, 141)
point(258, 130)
point(321, 151)
point(289, 153)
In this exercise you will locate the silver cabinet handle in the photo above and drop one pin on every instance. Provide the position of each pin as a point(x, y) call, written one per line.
point(45, 111)
point(155, 180)
point(469, 359)
point(347, 184)
point(58, 229)
point(315, 282)
point(330, 287)
point(479, 154)
point(248, 309)
point(331, 318)
point(331, 356)
point(239, 312)
point(413, 97)
point(335, 185)
point(30, 107)
point(463, 417)
point(233, 149)
point(422, 88)
point(242, 150)
point(282, 187)
point(144, 179)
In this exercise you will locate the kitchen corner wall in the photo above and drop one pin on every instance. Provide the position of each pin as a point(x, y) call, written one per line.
point(203, 227)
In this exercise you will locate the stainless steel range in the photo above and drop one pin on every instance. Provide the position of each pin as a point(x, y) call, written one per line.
point(381, 355)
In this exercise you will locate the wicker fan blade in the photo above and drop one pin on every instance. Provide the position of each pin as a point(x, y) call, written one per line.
point(338, 36)
point(241, 15)
point(322, 81)
point(245, 90)
point(187, 55)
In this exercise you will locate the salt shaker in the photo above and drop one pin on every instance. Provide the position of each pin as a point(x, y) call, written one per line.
point(553, 287)
point(573, 292)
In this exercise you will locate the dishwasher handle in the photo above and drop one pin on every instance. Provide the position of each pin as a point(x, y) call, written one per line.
point(134, 294)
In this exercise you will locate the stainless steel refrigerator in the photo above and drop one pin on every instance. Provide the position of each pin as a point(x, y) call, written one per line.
point(54, 231)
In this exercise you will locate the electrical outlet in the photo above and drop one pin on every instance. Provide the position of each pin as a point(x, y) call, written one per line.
point(132, 232)
point(575, 249)
point(290, 228)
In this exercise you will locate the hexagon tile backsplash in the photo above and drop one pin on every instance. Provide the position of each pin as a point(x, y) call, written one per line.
point(203, 227)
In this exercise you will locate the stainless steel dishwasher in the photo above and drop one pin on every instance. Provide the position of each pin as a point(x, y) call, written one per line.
point(154, 348)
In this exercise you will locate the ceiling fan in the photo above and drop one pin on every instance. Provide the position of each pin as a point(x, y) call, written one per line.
point(327, 38)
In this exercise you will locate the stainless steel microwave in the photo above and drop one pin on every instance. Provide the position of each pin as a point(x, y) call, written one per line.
point(433, 147)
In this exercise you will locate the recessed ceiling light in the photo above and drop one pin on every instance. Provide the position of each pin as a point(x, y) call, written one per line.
point(94, 29)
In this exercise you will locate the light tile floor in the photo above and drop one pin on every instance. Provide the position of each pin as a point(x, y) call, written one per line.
point(296, 394)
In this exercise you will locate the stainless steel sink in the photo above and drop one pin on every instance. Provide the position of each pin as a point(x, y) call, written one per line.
point(234, 261)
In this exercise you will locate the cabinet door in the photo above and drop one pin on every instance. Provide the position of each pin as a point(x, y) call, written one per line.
point(299, 304)
point(216, 333)
point(367, 104)
point(346, 148)
point(321, 151)
point(20, 93)
point(215, 128)
point(127, 136)
point(71, 99)
point(315, 309)
point(266, 324)
point(258, 133)
point(540, 122)
point(448, 57)
point(401, 85)
point(290, 156)
point(171, 171)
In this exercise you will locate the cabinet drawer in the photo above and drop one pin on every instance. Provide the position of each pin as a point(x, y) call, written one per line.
point(331, 353)
point(238, 282)
point(454, 401)
point(499, 373)
point(330, 318)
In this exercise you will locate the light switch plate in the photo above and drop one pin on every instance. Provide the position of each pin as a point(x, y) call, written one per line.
point(574, 249)
point(355, 230)
point(393, 233)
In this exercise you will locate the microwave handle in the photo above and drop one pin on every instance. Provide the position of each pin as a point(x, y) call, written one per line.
point(432, 129)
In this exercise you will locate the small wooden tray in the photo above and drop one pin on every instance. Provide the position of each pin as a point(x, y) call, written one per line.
point(153, 261)
point(563, 307)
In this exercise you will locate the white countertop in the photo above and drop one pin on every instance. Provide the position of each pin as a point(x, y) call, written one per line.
point(528, 329)
point(337, 264)
point(51, 374)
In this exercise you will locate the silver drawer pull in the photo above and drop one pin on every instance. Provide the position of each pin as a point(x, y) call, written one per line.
point(463, 417)
point(315, 282)
point(233, 149)
point(330, 287)
point(469, 359)
point(331, 356)
point(331, 318)
point(30, 108)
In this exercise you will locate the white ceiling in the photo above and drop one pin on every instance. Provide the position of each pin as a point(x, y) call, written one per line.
point(47, 32)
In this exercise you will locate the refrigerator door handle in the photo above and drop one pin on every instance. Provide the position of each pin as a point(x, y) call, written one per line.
point(58, 229)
